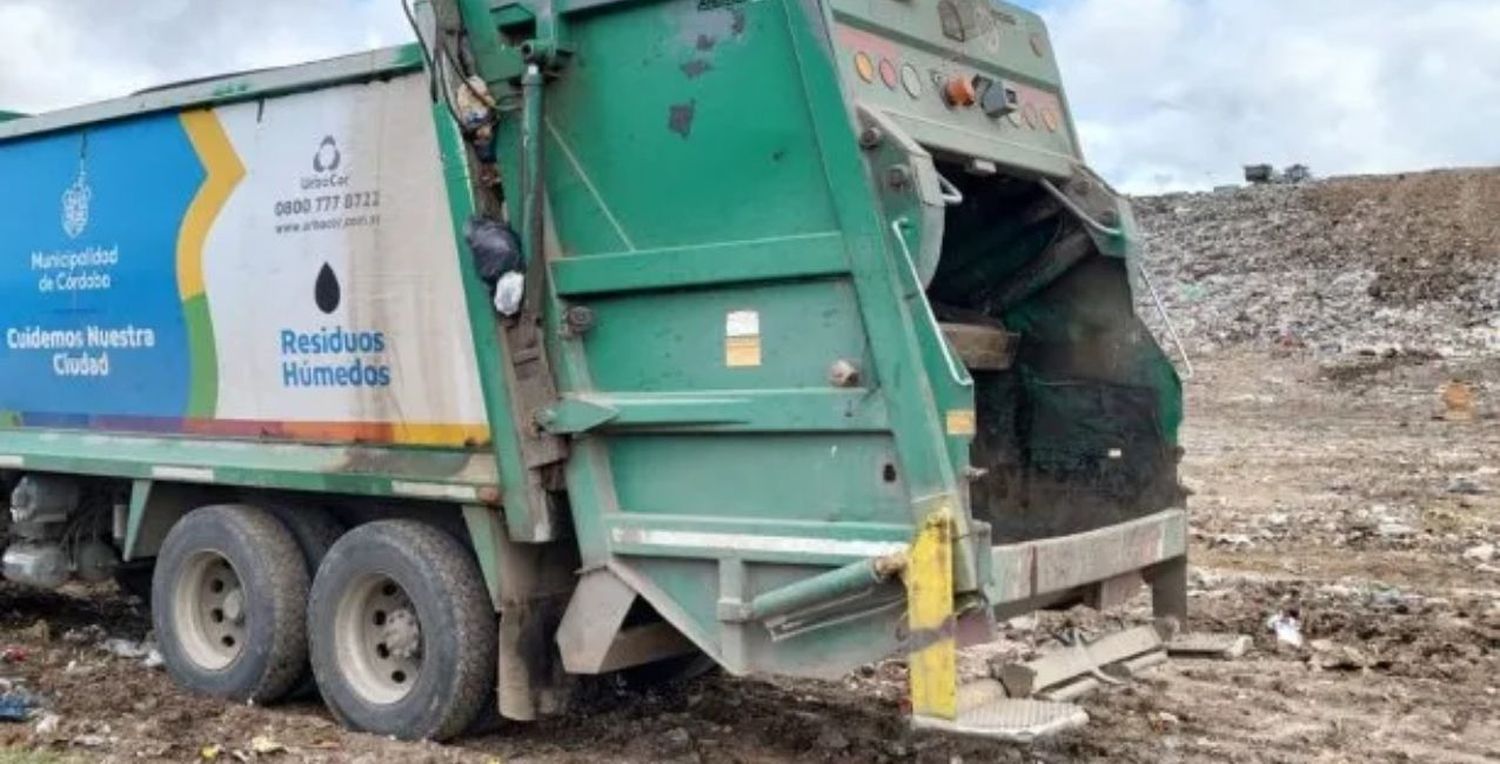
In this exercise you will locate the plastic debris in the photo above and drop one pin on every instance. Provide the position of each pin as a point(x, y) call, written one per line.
point(508, 293)
point(144, 650)
point(125, 648)
point(210, 752)
point(264, 745)
point(1480, 553)
point(16, 706)
point(48, 724)
point(91, 634)
point(13, 655)
point(496, 249)
point(1287, 627)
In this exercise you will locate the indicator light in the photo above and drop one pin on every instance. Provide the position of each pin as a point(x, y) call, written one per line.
point(864, 66)
point(911, 80)
point(959, 91)
point(1052, 120)
point(888, 73)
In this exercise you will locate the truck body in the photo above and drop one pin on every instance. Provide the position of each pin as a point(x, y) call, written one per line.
point(826, 351)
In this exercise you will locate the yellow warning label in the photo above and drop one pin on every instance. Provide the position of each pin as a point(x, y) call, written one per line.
point(741, 351)
point(961, 422)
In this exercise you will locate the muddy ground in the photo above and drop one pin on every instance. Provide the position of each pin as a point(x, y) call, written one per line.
point(1328, 491)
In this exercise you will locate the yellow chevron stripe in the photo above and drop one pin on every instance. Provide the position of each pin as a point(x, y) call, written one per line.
point(224, 171)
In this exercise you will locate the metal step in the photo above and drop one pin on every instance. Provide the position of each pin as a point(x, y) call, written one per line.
point(1013, 720)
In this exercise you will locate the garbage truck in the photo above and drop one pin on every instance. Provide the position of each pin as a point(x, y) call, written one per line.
point(584, 336)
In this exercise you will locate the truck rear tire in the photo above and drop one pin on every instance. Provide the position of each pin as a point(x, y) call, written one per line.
point(229, 603)
point(402, 633)
point(315, 530)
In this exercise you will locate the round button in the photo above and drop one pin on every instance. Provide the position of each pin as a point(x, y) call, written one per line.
point(1051, 119)
point(911, 80)
point(864, 67)
point(888, 73)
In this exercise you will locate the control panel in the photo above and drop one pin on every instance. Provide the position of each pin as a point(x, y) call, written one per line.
point(973, 78)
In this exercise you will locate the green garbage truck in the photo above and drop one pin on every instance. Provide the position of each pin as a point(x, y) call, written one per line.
point(584, 335)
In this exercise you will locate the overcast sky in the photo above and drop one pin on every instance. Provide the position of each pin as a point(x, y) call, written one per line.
point(1168, 93)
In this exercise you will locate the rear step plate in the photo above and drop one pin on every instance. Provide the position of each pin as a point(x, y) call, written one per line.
point(1014, 720)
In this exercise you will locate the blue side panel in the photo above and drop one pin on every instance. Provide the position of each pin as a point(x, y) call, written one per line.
point(91, 324)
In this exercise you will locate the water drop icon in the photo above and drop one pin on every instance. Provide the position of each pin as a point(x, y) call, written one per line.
point(326, 292)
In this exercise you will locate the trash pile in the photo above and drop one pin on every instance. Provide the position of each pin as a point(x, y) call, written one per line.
point(1403, 265)
point(22, 701)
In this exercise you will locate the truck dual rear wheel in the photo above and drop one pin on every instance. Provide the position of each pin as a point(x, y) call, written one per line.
point(402, 633)
point(229, 603)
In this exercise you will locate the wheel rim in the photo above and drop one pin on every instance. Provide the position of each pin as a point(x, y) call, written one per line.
point(378, 639)
point(209, 604)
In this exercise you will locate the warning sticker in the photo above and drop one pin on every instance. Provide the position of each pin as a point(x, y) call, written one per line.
point(961, 422)
point(742, 339)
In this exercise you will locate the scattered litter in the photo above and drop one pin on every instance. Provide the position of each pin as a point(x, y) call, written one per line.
point(13, 655)
point(85, 635)
point(264, 745)
point(1233, 541)
point(1162, 721)
point(16, 706)
point(1480, 553)
point(48, 724)
point(125, 648)
point(1394, 529)
point(1287, 627)
point(1466, 486)
point(90, 741)
point(144, 650)
point(210, 752)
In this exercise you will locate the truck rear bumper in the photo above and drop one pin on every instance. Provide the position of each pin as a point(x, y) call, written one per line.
point(1038, 570)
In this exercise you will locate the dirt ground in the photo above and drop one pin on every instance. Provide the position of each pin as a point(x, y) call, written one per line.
point(1329, 493)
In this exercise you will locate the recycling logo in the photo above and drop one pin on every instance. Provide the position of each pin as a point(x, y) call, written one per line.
point(328, 157)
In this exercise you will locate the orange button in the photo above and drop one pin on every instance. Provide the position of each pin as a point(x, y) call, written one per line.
point(864, 66)
point(960, 91)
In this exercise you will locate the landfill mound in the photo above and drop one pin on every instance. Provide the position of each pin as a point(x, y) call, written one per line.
point(1380, 265)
